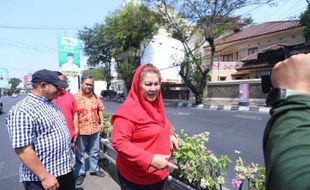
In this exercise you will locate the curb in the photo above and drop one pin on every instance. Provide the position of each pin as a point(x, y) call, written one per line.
point(220, 107)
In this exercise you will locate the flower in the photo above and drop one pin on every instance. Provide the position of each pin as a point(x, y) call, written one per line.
point(220, 180)
point(199, 167)
point(204, 183)
point(236, 182)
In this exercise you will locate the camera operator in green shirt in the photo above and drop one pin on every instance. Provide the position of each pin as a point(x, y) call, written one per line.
point(287, 134)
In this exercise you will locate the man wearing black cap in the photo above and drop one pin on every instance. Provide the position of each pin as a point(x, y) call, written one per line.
point(40, 137)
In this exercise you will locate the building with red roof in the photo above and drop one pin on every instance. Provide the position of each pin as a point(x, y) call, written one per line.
point(236, 54)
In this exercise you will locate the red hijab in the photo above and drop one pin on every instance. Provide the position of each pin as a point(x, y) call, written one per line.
point(139, 110)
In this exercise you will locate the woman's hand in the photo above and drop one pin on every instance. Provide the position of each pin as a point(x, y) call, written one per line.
point(174, 144)
point(160, 161)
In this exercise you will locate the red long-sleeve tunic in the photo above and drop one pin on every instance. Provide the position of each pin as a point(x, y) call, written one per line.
point(140, 130)
point(136, 144)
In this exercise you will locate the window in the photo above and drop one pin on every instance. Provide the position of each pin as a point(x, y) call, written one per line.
point(228, 58)
point(222, 78)
point(252, 50)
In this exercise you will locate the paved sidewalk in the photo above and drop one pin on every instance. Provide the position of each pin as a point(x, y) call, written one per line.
point(108, 182)
point(98, 183)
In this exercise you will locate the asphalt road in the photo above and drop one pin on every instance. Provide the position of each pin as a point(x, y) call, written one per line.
point(229, 131)
point(9, 163)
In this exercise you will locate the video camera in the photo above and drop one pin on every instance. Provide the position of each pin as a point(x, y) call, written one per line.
point(271, 56)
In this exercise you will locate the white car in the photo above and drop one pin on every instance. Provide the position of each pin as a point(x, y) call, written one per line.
point(14, 95)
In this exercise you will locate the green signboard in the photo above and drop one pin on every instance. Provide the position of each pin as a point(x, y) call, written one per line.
point(4, 78)
point(69, 55)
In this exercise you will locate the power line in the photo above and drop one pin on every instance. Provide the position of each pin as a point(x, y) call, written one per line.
point(287, 12)
point(252, 9)
point(296, 14)
point(278, 9)
point(36, 28)
point(28, 47)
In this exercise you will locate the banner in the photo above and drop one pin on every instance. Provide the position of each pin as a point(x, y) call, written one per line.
point(4, 78)
point(244, 94)
point(27, 80)
point(69, 55)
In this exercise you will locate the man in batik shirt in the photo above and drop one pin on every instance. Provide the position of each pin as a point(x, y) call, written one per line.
point(90, 123)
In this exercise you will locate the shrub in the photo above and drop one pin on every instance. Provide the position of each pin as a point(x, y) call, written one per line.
point(107, 126)
point(198, 166)
point(202, 169)
point(252, 174)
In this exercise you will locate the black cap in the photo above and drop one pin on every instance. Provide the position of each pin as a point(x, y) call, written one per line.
point(48, 77)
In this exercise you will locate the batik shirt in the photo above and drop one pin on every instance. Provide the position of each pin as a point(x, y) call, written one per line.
point(87, 109)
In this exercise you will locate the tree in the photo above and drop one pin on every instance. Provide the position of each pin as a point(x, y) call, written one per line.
point(97, 46)
point(120, 37)
point(187, 19)
point(128, 28)
point(97, 74)
point(14, 82)
point(305, 21)
point(125, 71)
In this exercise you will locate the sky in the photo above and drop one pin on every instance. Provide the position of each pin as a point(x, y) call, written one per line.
point(29, 29)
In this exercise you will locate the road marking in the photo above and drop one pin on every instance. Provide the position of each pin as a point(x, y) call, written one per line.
point(200, 106)
point(227, 108)
point(213, 107)
point(183, 113)
point(264, 109)
point(1, 166)
point(8, 176)
point(244, 108)
point(249, 117)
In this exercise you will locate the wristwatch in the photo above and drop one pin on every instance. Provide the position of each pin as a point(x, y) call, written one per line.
point(277, 94)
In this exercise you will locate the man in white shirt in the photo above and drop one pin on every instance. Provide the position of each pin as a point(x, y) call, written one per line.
point(69, 66)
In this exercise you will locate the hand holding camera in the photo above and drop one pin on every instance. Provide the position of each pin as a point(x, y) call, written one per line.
point(293, 73)
point(290, 75)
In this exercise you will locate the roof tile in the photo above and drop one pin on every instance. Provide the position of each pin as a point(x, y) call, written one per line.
point(259, 30)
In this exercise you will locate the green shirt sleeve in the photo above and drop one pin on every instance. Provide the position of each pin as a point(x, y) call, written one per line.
point(287, 145)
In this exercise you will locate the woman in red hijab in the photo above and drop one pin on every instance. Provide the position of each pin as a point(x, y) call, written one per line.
point(142, 134)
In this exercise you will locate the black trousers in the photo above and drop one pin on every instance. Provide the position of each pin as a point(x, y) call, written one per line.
point(66, 182)
point(128, 185)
